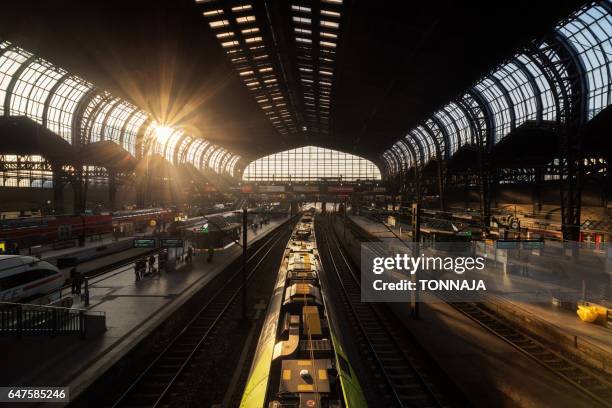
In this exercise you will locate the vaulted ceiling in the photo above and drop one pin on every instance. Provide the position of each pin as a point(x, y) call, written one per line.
point(355, 83)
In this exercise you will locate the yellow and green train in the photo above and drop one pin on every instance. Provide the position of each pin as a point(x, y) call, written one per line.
point(299, 362)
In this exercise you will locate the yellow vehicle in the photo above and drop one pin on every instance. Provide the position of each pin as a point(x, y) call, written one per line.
point(299, 362)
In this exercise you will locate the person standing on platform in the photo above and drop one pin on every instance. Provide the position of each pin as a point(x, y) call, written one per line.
point(189, 255)
point(73, 280)
point(78, 282)
point(151, 263)
point(85, 296)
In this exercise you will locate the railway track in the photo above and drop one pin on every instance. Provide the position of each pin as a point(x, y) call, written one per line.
point(404, 382)
point(587, 381)
point(158, 379)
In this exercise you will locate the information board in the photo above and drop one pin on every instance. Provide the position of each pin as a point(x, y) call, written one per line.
point(144, 243)
point(171, 243)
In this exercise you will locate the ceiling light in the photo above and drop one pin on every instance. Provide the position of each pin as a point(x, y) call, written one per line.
point(302, 20)
point(218, 23)
point(213, 13)
point(330, 24)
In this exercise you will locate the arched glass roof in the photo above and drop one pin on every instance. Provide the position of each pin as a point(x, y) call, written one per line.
point(519, 90)
point(79, 112)
point(311, 163)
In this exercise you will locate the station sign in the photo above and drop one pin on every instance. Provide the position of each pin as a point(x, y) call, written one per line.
point(171, 243)
point(271, 189)
point(533, 244)
point(522, 243)
point(144, 243)
point(340, 189)
point(247, 188)
point(507, 244)
point(306, 189)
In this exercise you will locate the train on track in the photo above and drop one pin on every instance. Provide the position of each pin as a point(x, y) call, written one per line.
point(299, 361)
point(26, 277)
point(26, 232)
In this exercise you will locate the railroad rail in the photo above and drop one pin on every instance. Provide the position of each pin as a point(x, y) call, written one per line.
point(591, 383)
point(404, 380)
point(587, 381)
point(158, 378)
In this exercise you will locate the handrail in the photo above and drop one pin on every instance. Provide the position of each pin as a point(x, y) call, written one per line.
point(68, 309)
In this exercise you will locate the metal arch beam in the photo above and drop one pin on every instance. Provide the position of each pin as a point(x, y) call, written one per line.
point(10, 47)
point(140, 134)
point(384, 164)
point(571, 165)
point(439, 167)
point(177, 146)
point(485, 139)
point(228, 163)
point(219, 161)
point(77, 117)
point(397, 162)
point(455, 126)
point(206, 154)
point(444, 134)
point(508, 99)
point(125, 123)
point(405, 156)
point(91, 117)
point(410, 148)
point(223, 158)
point(11, 85)
point(419, 147)
point(183, 158)
point(552, 76)
point(235, 166)
point(537, 92)
point(578, 70)
point(391, 162)
point(608, 6)
point(106, 117)
point(439, 155)
point(50, 96)
point(484, 151)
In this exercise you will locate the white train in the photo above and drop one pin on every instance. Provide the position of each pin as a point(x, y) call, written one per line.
point(25, 277)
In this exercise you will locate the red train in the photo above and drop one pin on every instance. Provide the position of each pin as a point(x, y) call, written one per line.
point(27, 232)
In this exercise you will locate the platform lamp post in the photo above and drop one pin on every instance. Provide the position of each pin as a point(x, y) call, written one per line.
point(416, 238)
point(244, 261)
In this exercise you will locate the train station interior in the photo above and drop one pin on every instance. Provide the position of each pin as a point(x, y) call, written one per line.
point(306, 203)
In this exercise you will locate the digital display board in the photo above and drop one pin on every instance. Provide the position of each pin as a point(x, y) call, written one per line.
point(144, 243)
point(171, 243)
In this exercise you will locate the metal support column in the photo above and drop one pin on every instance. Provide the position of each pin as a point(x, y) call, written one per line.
point(112, 189)
point(244, 262)
point(571, 185)
point(58, 188)
point(537, 187)
point(416, 239)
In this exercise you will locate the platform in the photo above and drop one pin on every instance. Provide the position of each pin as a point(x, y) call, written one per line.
point(133, 310)
point(558, 326)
